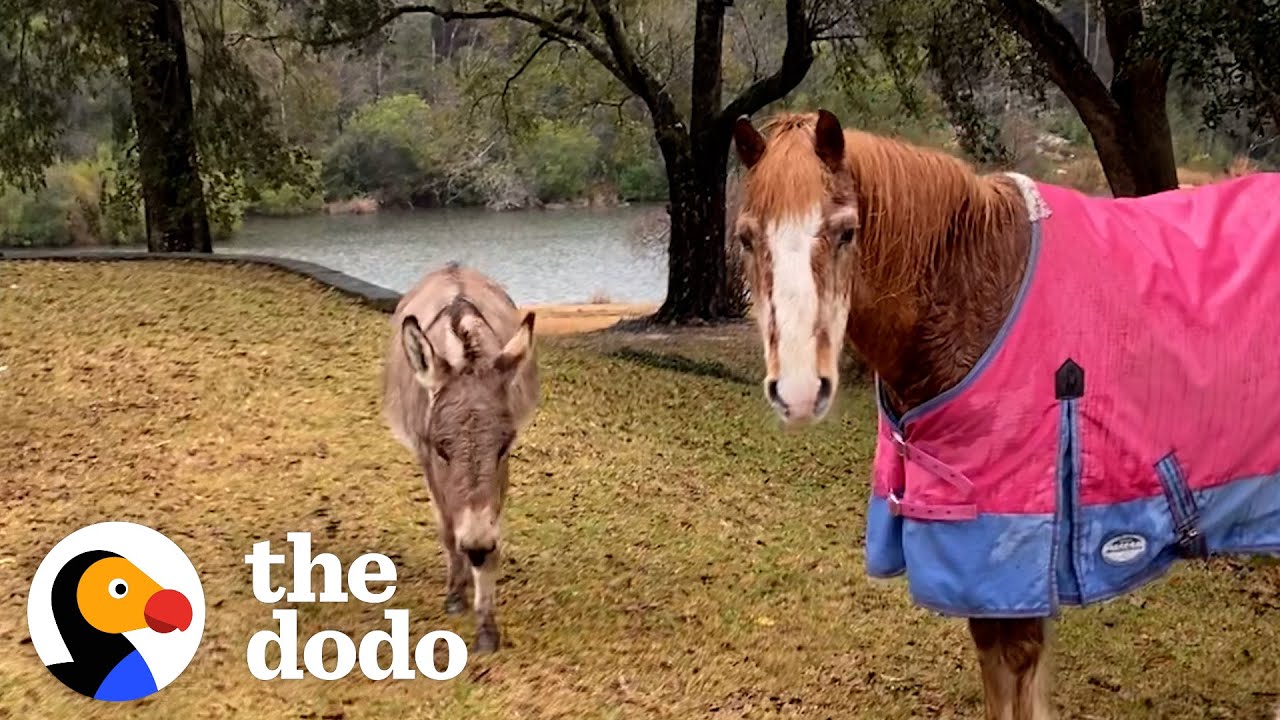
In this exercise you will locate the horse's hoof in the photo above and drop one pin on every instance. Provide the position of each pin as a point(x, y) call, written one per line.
point(487, 641)
point(455, 604)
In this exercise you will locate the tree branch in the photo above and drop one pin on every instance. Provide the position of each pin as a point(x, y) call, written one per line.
point(511, 79)
point(632, 74)
point(569, 33)
point(796, 60)
point(1067, 65)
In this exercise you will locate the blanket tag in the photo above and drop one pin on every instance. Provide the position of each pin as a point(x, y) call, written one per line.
point(1124, 549)
point(1069, 381)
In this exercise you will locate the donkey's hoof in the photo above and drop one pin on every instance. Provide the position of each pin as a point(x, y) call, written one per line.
point(487, 641)
point(455, 604)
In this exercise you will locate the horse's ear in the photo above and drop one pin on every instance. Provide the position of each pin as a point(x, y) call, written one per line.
point(428, 368)
point(749, 142)
point(828, 140)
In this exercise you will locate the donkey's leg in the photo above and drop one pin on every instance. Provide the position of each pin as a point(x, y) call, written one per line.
point(455, 599)
point(488, 639)
point(1014, 659)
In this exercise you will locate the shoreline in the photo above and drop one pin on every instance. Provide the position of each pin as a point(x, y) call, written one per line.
point(574, 318)
point(552, 318)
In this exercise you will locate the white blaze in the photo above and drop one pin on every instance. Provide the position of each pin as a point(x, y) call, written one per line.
point(795, 308)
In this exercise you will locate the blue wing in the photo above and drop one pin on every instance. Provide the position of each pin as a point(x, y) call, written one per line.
point(130, 679)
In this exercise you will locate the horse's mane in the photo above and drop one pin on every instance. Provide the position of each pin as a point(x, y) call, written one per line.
point(912, 202)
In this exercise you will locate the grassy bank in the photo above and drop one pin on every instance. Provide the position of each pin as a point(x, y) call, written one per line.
point(671, 552)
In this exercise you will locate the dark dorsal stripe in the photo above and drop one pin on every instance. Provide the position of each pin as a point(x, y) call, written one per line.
point(456, 311)
point(93, 653)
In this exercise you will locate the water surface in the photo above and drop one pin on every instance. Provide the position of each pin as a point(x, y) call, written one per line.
point(539, 256)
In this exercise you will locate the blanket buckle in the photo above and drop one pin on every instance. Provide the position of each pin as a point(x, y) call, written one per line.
point(895, 504)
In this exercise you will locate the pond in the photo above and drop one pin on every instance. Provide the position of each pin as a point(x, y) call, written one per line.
point(555, 256)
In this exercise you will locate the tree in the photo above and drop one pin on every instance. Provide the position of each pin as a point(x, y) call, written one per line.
point(1228, 48)
point(197, 118)
point(1128, 118)
point(163, 115)
point(694, 142)
point(55, 47)
point(1220, 52)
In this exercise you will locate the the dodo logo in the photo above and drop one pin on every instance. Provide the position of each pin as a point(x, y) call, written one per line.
point(116, 611)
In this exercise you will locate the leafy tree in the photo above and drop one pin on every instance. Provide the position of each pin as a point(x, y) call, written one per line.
point(53, 46)
point(185, 144)
point(1115, 61)
point(1128, 117)
point(692, 131)
point(1229, 49)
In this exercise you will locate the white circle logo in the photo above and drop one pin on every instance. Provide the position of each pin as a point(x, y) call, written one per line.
point(116, 611)
point(1124, 549)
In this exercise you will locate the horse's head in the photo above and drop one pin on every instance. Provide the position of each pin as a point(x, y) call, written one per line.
point(798, 226)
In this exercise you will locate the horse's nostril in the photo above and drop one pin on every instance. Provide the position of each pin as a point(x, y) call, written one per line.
point(477, 556)
point(771, 389)
point(824, 390)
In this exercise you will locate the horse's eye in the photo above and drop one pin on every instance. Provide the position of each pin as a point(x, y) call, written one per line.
point(845, 237)
point(502, 451)
point(440, 453)
point(745, 240)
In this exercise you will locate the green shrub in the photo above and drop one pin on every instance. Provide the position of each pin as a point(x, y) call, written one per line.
point(286, 201)
point(289, 199)
point(558, 160)
point(635, 165)
point(67, 210)
point(384, 151)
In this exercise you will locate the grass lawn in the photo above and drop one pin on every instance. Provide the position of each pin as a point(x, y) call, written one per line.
point(671, 552)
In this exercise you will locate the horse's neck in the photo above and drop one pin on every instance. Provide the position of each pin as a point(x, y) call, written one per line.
point(937, 332)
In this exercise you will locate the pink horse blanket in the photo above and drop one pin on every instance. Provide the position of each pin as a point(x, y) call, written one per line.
point(1127, 415)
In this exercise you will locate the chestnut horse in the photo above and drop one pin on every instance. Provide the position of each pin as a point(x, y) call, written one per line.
point(917, 263)
point(919, 320)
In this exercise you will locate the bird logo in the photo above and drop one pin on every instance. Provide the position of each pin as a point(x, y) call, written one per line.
point(116, 611)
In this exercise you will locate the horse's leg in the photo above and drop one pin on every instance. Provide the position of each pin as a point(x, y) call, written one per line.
point(1014, 659)
point(486, 579)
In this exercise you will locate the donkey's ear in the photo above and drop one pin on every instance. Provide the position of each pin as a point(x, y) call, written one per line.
point(749, 142)
point(519, 348)
point(427, 366)
point(828, 140)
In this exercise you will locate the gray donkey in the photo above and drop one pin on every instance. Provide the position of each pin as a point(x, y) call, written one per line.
point(460, 382)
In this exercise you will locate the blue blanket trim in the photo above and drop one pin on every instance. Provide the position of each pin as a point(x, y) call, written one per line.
point(1004, 565)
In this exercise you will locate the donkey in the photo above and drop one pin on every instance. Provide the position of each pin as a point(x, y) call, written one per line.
point(1004, 485)
point(460, 382)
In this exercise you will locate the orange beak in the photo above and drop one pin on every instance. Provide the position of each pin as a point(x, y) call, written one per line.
point(168, 610)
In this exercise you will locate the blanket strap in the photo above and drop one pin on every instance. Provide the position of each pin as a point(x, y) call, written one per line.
point(924, 511)
point(1182, 508)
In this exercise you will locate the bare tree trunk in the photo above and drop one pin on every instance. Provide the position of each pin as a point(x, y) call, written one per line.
point(160, 91)
point(699, 288)
point(1141, 91)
